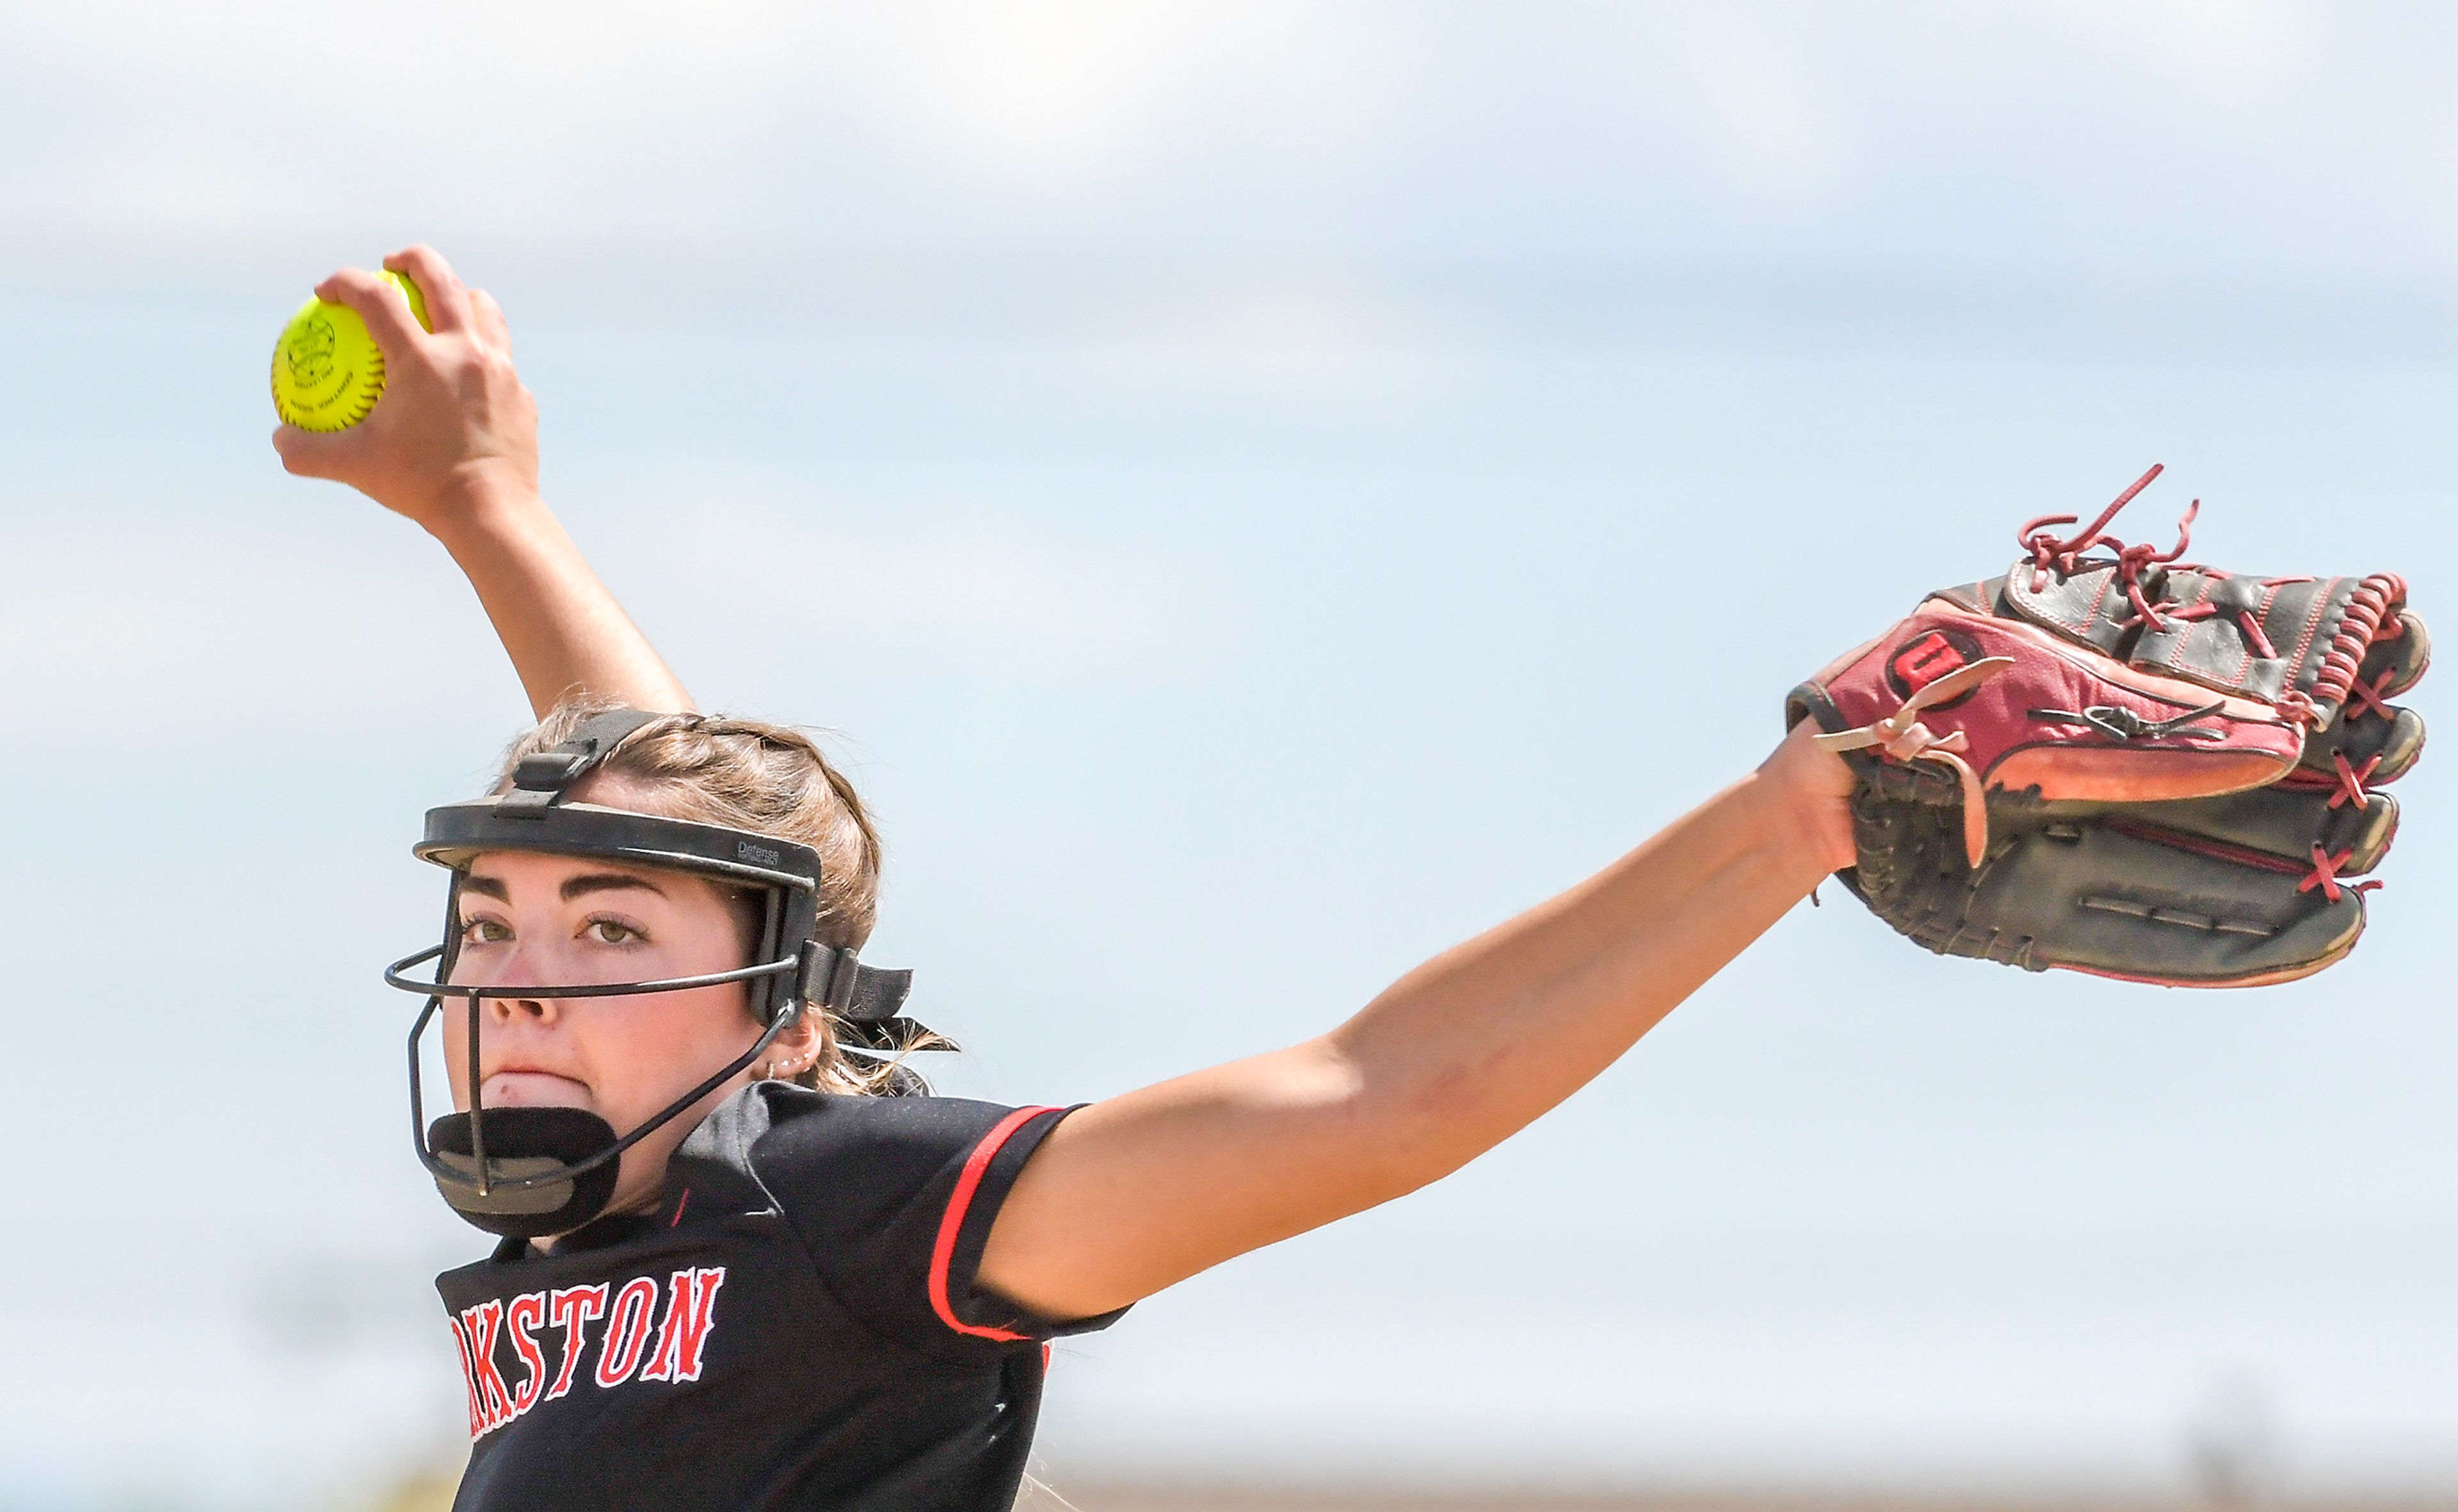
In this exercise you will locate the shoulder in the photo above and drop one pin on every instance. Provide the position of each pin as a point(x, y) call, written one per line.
point(892, 1199)
point(856, 1151)
point(782, 1122)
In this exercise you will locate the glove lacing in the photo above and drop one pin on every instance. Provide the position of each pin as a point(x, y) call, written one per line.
point(2369, 621)
point(2064, 557)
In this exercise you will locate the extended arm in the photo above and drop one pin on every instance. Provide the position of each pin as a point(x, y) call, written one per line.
point(1135, 1193)
point(453, 445)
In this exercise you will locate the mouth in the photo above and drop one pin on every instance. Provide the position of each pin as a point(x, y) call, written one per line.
point(522, 1086)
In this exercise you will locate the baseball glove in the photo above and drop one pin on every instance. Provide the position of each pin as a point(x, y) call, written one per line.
point(2125, 764)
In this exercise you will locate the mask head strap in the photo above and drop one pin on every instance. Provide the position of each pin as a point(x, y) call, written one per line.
point(542, 779)
point(867, 1000)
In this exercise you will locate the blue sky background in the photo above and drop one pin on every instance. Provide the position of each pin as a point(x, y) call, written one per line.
point(1265, 489)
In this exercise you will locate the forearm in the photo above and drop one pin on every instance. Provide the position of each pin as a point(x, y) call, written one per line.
point(1144, 1189)
point(1482, 1040)
point(561, 627)
point(453, 445)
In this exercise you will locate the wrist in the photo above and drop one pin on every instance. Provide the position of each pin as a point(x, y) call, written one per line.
point(478, 508)
point(1808, 793)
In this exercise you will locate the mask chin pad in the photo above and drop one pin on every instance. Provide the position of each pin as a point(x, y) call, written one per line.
point(526, 1142)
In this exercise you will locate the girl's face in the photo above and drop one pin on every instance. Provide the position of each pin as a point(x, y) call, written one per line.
point(553, 920)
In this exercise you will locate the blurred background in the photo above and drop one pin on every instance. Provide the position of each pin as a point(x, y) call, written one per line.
point(1265, 490)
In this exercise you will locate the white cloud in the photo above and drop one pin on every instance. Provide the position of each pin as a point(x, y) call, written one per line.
point(1020, 94)
point(2250, 129)
point(1055, 89)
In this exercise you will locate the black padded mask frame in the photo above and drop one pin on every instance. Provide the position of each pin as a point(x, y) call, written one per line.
point(789, 966)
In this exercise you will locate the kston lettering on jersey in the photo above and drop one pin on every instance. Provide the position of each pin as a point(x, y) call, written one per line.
point(633, 1334)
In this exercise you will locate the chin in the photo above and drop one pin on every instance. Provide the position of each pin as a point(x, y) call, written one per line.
point(536, 1089)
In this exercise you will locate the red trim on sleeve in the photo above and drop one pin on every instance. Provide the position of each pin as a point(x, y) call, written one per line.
point(944, 1253)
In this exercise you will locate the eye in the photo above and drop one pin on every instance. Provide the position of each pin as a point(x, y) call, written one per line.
point(485, 932)
point(611, 932)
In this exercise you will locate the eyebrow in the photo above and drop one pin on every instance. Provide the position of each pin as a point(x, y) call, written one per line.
point(572, 887)
point(606, 882)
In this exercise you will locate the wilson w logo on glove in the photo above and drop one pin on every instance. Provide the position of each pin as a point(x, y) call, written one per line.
point(2113, 761)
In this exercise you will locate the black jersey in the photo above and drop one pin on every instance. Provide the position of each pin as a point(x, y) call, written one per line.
point(797, 1326)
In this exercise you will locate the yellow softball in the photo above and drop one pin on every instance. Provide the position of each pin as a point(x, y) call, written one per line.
point(327, 371)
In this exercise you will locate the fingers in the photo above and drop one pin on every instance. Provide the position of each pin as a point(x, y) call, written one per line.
point(313, 454)
point(448, 297)
point(380, 306)
point(489, 315)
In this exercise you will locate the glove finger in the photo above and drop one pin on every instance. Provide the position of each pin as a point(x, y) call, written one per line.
point(2387, 739)
point(2379, 740)
point(2368, 726)
point(2283, 823)
point(2104, 893)
point(2148, 905)
point(2406, 657)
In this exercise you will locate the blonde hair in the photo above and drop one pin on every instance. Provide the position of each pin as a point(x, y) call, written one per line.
point(770, 779)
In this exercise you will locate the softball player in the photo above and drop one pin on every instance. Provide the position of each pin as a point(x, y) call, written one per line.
point(745, 1261)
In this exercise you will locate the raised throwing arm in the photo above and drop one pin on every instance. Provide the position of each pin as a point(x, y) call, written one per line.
point(1135, 1193)
point(452, 446)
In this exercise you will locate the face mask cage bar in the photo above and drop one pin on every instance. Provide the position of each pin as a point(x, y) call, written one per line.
point(789, 967)
point(437, 990)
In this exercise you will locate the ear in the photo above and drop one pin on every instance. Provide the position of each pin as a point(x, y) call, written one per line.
point(798, 1048)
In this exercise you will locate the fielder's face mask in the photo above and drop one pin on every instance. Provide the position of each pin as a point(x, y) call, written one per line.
point(529, 1171)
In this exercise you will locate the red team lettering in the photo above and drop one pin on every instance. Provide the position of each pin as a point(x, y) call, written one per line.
point(572, 1309)
point(521, 1321)
point(565, 1313)
point(690, 1306)
point(627, 1331)
point(469, 1376)
point(481, 1325)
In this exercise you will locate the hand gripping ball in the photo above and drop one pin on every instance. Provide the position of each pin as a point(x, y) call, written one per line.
point(327, 371)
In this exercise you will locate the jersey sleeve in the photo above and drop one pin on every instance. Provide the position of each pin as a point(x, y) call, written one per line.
point(894, 1198)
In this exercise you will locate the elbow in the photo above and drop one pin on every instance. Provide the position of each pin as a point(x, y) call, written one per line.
point(1400, 1130)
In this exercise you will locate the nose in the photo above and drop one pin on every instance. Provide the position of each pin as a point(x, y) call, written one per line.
point(521, 967)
